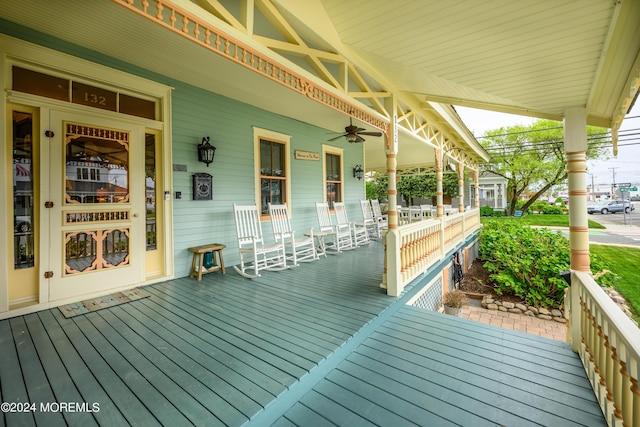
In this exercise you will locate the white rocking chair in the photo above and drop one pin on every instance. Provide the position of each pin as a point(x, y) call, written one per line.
point(339, 237)
point(373, 227)
point(377, 214)
point(301, 249)
point(359, 230)
point(255, 254)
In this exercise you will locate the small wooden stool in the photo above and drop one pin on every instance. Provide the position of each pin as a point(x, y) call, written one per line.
point(197, 269)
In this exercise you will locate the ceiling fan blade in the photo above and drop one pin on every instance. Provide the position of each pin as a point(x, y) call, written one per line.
point(339, 136)
point(371, 133)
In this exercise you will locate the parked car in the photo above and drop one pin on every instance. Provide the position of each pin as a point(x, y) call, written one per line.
point(635, 199)
point(611, 206)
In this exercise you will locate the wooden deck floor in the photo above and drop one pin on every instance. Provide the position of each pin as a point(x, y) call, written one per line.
point(316, 345)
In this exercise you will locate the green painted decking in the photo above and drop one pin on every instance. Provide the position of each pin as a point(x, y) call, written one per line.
point(320, 344)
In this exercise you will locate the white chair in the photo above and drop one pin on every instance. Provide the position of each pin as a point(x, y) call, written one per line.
point(358, 230)
point(377, 214)
point(425, 211)
point(255, 254)
point(339, 237)
point(300, 249)
point(373, 227)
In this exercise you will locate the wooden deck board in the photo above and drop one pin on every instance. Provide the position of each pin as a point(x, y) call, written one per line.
point(61, 384)
point(35, 379)
point(13, 387)
point(517, 360)
point(115, 407)
point(234, 388)
point(295, 364)
point(244, 370)
point(320, 344)
point(179, 386)
point(269, 323)
point(432, 367)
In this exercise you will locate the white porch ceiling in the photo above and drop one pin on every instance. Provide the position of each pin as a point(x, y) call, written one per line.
point(534, 57)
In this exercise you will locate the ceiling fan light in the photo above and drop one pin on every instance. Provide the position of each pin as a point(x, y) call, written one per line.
point(352, 137)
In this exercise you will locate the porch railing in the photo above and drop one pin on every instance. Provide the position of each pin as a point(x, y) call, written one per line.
point(607, 342)
point(412, 248)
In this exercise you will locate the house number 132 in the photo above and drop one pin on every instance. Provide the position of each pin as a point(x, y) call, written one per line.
point(95, 99)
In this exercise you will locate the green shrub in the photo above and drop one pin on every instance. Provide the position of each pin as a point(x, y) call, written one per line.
point(486, 211)
point(527, 262)
point(538, 206)
point(552, 210)
point(520, 204)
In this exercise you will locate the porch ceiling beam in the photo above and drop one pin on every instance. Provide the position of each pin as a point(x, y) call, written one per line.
point(296, 44)
point(369, 94)
point(364, 87)
point(217, 9)
point(311, 57)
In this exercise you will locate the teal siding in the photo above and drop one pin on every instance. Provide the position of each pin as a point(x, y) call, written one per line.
point(230, 124)
point(198, 113)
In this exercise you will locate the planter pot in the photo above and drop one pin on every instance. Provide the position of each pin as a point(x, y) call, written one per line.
point(454, 311)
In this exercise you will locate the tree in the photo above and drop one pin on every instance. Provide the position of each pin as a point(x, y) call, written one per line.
point(412, 187)
point(532, 158)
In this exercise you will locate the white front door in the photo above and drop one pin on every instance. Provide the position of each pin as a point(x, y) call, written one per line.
point(94, 207)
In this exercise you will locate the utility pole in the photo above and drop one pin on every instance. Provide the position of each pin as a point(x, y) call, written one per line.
point(613, 186)
point(593, 197)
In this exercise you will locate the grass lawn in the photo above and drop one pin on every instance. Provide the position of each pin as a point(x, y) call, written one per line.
point(543, 220)
point(623, 262)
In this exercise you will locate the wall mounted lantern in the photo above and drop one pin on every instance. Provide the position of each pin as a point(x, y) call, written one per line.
point(206, 151)
point(358, 172)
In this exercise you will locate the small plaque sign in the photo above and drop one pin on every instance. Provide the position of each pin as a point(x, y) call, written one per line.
point(306, 155)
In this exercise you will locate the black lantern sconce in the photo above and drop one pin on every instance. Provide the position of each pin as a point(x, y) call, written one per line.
point(206, 151)
point(358, 172)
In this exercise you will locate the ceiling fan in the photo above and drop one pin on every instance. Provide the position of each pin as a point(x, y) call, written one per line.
point(352, 133)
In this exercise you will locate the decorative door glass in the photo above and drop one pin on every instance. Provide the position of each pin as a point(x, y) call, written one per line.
point(97, 173)
point(23, 213)
point(97, 165)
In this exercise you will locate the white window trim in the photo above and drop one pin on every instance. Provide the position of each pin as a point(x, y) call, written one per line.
point(332, 150)
point(258, 134)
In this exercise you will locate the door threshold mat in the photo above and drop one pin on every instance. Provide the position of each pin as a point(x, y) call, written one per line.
point(106, 301)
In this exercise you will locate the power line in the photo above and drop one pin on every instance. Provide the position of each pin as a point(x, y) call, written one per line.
point(536, 130)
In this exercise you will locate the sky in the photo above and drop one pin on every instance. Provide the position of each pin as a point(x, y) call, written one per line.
point(626, 166)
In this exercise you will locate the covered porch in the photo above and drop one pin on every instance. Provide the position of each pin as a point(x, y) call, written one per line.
point(315, 345)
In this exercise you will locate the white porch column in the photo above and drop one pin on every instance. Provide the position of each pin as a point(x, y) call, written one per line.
point(575, 145)
point(391, 151)
point(391, 279)
point(439, 193)
point(460, 187)
point(476, 181)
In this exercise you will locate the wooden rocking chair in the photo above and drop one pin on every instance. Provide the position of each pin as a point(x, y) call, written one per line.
point(359, 230)
point(301, 249)
point(373, 226)
point(377, 214)
point(339, 237)
point(255, 254)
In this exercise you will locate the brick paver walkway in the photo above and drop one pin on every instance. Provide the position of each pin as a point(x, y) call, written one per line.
point(517, 322)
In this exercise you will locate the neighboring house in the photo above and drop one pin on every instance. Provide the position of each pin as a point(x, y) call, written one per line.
point(492, 190)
